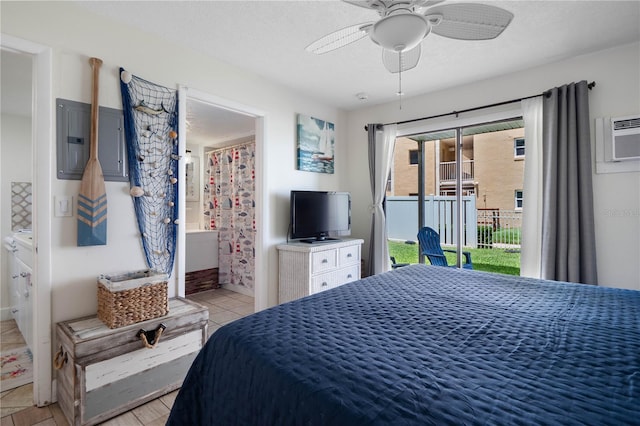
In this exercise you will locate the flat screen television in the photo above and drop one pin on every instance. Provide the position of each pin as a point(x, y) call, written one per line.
point(318, 216)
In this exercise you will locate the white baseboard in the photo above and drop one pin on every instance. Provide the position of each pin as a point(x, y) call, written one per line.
point(54, 390)
point(5, 314)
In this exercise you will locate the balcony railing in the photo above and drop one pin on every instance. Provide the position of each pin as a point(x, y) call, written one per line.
point(448, 170)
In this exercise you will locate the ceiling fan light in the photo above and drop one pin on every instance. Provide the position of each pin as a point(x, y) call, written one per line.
point(400, 32)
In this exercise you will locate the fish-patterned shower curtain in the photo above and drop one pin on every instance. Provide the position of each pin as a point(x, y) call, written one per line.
point(230, 210)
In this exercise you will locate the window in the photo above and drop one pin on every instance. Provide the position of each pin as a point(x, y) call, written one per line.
point(413, 156)
point(518, 199)
point(518, 147)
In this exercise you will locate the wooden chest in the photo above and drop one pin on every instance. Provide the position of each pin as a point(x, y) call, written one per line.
point(104, 372)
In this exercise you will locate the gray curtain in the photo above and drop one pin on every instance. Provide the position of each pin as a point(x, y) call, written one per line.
point(568, 241)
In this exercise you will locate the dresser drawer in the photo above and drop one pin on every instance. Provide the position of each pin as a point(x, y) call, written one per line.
point(346, 275)
point(324, 260)
point(323, 282)
point(349, 255)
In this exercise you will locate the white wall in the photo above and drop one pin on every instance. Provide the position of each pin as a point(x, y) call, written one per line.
point(75, 35)
point(616, 72)
point(194, 208)
point(16, 167)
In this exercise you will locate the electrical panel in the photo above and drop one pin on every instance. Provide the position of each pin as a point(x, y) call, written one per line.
point(73, 125)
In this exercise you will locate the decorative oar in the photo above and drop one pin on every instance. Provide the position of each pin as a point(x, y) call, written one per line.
point(92, 199)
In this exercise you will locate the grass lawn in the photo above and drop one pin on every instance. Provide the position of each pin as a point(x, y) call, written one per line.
point(490, 260)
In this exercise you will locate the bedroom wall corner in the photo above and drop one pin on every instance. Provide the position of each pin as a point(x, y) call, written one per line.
point(616, 72)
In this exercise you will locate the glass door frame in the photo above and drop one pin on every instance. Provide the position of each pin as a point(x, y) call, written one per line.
point(457, 124)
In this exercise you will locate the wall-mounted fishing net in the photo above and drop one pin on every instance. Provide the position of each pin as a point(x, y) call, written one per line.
point(151, 122)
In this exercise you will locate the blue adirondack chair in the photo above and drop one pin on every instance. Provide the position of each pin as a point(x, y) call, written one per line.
point(429, 241)
point(395, 265)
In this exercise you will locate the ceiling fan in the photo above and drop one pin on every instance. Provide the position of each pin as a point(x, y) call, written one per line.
point(405, 23)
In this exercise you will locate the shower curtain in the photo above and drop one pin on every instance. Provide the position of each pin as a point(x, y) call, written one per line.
point(230, 210)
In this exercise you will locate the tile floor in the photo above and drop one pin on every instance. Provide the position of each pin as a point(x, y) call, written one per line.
point(14, 399)
point(15, 405)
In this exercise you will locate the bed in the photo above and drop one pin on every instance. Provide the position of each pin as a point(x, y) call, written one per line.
point(425, 345)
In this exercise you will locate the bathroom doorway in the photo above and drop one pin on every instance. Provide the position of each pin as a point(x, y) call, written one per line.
point(27, 136)
point(16, 286)
point(215, 129)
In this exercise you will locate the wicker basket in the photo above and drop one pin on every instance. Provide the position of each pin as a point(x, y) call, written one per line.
point(132, 297)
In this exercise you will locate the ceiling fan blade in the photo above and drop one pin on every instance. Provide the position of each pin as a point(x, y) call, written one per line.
point(367, 4)
point(426, 3)
point(395, 62)
point(340, 38)
point(469, 21)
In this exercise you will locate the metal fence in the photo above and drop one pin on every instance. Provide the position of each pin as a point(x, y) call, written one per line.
point(499, 228)
point(483, 228)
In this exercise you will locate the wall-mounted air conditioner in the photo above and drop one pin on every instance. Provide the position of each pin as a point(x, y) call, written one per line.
point(625, 138)
point(617, 144)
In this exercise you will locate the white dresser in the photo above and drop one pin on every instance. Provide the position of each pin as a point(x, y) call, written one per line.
point(311, 268)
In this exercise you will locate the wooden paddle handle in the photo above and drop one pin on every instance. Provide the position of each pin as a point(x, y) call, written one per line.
point(95, 64)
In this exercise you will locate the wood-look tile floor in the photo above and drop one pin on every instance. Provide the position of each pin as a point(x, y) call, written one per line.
point(16, 404)
point(15, 399)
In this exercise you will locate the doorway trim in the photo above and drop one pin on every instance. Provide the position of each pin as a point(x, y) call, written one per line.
point(261, 282)
point(41, 143)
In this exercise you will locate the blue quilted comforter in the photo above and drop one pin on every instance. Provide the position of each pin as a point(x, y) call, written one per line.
point(425, 345)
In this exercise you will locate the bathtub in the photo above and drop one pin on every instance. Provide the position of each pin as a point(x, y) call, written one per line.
point(201, 250)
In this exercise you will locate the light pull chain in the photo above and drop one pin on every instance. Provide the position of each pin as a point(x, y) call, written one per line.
point(400, 77)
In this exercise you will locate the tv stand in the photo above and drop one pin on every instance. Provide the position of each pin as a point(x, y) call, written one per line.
point(311, 268)
point(319, 240)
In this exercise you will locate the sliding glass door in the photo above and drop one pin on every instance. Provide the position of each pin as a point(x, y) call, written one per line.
point(466, 184)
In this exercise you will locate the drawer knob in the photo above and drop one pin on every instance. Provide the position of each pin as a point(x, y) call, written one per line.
point(151, 338)
point(325, 261)
point(349, 255)
point(349, 276)
point(324, 284)
point(60, 360)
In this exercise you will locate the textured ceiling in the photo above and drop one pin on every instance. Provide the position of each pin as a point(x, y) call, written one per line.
point(269, 39)
point(211, 126)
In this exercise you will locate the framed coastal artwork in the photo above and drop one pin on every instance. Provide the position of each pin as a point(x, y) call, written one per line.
point(316, 143)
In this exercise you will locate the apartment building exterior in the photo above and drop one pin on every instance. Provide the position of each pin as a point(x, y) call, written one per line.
point(493, 168)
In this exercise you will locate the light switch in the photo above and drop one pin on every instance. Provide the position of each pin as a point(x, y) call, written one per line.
point(63, 205)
